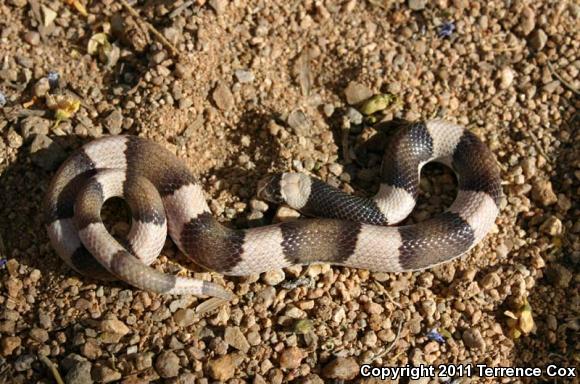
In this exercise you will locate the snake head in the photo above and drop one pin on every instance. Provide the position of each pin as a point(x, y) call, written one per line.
point(269, 188)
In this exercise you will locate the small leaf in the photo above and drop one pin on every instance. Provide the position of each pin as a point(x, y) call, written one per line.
point(209, 305)
point(302, 326)
point(100, 46)
point(30, 102)
point(371, 120)
point(526, 322)
point(377, 103)
point(514, 333)
point(64, 106)
point(78, 6)
point(510, 314)
point(521, 322)
point(445, 333)
point(98, 43)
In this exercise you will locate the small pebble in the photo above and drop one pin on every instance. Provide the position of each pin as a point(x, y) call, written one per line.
point(335, 169)
point(370, 339)
point(299, 122)
point(328, 110)
point(32, 37)
point(45, 153)
point(506, 78)
point(18, 3)
point(244, 76)
point(273, 277)
point(552, 226)
point(223, 98)
point(181, 303)
point(14, 139)
point(529, 167)
point(559, 276)
point(80, 373)
point(234, 337)
point(167, 364)
point(286, 214)
point(184, 317)
point(373, 308)
point(114, 326)
point(259, 205)
point(341, 368)
point(42, 87)
point(417, 5)
point(428, 307)
point(222, 368)
point(172, 34)
point(8, 344)
point(538, 39)
point(104, 374)
point(564, 203)
point(219, 6)
point(291, 358)
point(527, 20)
point(491, 280)
point(357, 93)
point(34, 125)
point(551, 86)
point(473, 339)
point(114, 122)
point(354, 116)
point(24, 363)
point(90, 349)
point(38, 334)
point(543, 193)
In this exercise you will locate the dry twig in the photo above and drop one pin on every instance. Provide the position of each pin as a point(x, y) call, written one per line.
point(383, 291)
point(390, 347)
point(151, 28)
point(209, 305)
point(177, 11)
point(52, 368)
point(567, 84)
point(532, 136)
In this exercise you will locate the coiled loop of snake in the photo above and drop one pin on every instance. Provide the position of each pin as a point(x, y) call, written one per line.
point(354, 231)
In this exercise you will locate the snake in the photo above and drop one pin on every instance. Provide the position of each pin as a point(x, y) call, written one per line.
point(339, 228)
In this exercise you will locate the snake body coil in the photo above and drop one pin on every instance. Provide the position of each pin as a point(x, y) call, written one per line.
point(164, 196)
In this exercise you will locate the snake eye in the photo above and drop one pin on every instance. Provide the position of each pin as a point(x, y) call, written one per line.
point(269, 189)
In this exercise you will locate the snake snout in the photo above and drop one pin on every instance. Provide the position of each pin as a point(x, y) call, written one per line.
point(269, 189)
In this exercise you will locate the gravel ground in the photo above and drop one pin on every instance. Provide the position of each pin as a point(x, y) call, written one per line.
point(238, 89)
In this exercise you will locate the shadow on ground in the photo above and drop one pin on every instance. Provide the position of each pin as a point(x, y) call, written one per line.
point(530, 350)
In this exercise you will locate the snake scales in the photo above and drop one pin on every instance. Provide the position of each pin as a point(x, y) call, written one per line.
point(164, 196)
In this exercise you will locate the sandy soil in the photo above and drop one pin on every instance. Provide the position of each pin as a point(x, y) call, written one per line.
point(238, 89)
